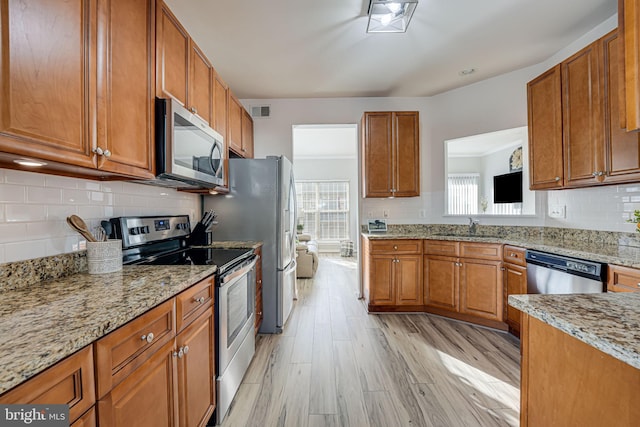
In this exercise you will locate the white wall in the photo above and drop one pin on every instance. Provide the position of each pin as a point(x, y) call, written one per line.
point(493, 104)
point(34, 208)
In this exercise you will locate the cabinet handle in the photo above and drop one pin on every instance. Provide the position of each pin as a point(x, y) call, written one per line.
point(513, 254)
point(194, 110)
point(259, 281)
point(639, 284)
point(199, 300)
point(594, 174)
point(175, 354)
point(395, 248)
point(107, 153)
point(148, 338)
point(180, 352)
point(557, 178)
point(186, 349)
point(502, 268)
point(98, 151)
point(260, 314)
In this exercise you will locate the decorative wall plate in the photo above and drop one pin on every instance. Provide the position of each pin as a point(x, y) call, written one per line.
point(515, 161)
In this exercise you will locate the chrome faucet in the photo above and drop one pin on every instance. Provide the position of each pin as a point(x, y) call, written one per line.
point(473, 224)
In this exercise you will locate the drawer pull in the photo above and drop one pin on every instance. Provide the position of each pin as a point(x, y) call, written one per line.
point(513, 254)
point(148, 338)
point(180, 352)
point(186, 349)
point(199, 300)
point(639, 284)
point(395, 248)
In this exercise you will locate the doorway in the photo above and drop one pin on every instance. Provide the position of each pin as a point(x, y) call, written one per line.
point(325, 164)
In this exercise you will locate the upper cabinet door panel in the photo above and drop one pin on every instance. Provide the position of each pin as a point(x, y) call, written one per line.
point(220, 106)
point(47, 98)
point(235, 125)
point(126, 81)
point(544, 98)
point(407, 163)
point(583, 117)
point(377, 154)
point(622, 147)
point(200, 89)
point(247, 135)
point(630, 15)
point(172, 44)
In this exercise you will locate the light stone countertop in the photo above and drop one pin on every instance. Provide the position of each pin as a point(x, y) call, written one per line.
point(609, 321)
point(43, 324)
point(612, 254)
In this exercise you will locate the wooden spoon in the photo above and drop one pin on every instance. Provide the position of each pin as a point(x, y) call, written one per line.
point(80, 226)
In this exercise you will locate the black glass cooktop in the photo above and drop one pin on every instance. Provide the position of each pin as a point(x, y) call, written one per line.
point(223, 258)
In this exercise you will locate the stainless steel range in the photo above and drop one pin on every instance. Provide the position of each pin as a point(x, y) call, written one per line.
point(165, 240)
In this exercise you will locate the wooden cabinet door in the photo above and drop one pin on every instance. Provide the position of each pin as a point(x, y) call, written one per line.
point(47, 98)
point(408, 279)
point(582, 117)
point(220, 106)
point(86, 420)
point(623, 279)
point(172, 56)
point(235, 125)
point(377, 167)
point(406, 154)
point(544, 106)
point(196, 385)
point(629, 17)
point(622, 148)
point(126, 47)
point(441, 282)
point(200, 99)
point(70, 381)
point(515, 282)
point(481, 288)
point(381, 280)
point(146, 397)
point(247, 135)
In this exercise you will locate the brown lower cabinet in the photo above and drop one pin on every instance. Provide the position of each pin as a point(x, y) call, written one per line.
point(623, 279)
point(69, 381)
point(467, 285)
point(393, 275)
point(515, 282)
point(566, 382)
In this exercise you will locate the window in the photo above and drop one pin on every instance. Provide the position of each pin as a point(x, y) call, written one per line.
point(323, 209)
point(463, 193)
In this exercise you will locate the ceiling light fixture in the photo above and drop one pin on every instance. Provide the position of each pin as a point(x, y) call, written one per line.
point(390, 16)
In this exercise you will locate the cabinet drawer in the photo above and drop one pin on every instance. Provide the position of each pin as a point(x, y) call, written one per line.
point(623, 279)
point(123, 350)
point(489, 251)
point(514, 255)
point(194, 301)
point(86, 420)
point(441, 247)
point(396, 246)
point(69, 381)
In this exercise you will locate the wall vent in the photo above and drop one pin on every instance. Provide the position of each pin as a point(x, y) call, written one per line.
point(261, 111)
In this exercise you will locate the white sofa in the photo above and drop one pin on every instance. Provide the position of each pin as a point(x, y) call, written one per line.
point(307, 259)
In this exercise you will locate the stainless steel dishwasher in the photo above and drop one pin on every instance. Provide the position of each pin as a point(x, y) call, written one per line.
point(558, 274)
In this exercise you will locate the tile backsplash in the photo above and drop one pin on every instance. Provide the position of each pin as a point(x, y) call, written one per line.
point(34, 208)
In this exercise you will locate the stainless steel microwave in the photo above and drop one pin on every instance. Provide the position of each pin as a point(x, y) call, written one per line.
point(188, 152)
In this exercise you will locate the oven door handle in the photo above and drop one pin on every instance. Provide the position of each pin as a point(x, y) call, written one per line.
point(227, 279)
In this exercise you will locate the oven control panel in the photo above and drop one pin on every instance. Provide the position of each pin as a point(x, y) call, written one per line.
point(135, 231)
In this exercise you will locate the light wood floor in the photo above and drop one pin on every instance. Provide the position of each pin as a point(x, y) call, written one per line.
point(335, 365)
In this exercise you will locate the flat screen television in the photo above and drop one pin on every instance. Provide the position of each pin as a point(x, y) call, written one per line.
point(507, 188)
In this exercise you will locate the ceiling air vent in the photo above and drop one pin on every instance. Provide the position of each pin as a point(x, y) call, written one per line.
point(261, 111)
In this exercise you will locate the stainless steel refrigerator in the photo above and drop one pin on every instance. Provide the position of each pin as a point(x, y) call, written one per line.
point(261, 206)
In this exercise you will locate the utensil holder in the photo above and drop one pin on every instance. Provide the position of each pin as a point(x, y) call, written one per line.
point(104, 257)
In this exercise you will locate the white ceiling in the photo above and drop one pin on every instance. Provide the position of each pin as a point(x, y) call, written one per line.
point(320, 48)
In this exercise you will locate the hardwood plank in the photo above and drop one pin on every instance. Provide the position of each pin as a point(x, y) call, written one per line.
point(324, 420)
point(303, 343)
point(369, 369)
point(339, 326)
point(322, 398)
point(240, 409)
point(380, 410)
point(295, 410)
point(351, 410)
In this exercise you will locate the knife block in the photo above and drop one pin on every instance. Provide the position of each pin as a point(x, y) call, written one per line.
point(200, 236)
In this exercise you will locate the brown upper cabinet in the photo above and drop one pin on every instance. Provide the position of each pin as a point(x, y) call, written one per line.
point(575, 134)
point(391, 154)
point(240, 131)
point(220, 105)
point(629, 25)
point(64, 116)
point(183, 71)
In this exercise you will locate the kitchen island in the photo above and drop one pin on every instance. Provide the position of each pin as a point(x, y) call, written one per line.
point(580, 359)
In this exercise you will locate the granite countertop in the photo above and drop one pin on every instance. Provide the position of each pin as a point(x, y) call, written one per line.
point(609, 322)
point(42, 324)
point(607, 253)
